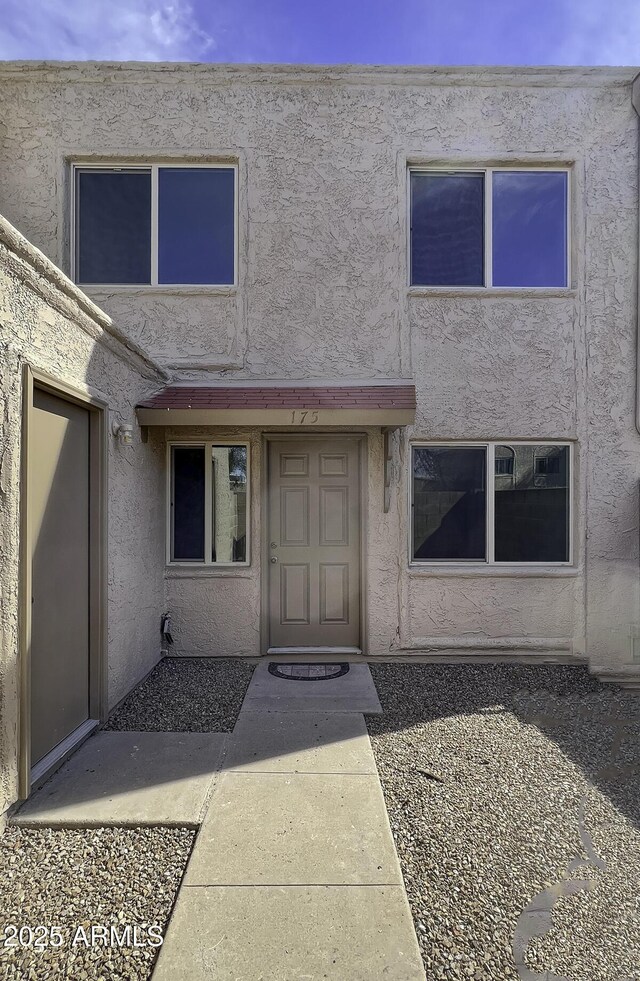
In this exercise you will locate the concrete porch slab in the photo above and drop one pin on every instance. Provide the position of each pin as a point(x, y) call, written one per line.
point(300, 742)
point(129, 778)
point(363, 933)
point(298, 828)
point(353, 692)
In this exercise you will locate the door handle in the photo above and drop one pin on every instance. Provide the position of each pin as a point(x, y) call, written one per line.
point(273, 560)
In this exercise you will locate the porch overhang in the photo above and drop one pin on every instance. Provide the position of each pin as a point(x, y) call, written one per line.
point(386, 405)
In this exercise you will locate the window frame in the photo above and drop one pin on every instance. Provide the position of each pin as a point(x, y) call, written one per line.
point(490, 561)
point(153, 169)
point(488, 226)
point(207, 445)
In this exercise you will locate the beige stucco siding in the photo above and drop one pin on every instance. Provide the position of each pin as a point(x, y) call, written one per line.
point(46, 327)
point(322, 158)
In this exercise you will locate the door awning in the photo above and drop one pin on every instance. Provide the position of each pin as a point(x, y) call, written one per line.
point(276, 405)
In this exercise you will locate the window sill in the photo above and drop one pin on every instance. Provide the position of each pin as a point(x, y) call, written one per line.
point(522, 292)
point(186, 290)
point(236, 571)
point(483, 570)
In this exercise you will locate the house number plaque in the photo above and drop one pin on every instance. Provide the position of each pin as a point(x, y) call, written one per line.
point(304, 417)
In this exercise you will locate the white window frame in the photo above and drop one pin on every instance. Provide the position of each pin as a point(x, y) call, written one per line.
point(207, 445)
point(152, 169)
point(490, 559)
point(488, 172)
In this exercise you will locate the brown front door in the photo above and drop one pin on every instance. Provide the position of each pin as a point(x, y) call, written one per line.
point(313, 560)
point(58, 489)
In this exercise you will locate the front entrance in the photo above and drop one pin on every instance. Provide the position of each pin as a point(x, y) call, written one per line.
point(61, 553)
point(313, 551)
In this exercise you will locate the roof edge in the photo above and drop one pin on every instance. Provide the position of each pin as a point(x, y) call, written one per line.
point(216, 72)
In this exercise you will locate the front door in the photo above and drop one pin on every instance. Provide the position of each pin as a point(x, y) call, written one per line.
point(58, 490)
point(313, 560)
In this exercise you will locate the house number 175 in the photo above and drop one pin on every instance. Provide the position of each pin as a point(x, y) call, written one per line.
point(304, 417)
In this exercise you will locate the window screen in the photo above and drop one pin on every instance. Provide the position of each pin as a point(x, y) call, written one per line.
point(447, 229)
point(113, 226)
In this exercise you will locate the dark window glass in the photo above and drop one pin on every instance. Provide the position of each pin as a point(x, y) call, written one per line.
point(532, 510)
point(196, 225)
point(529, 228)
point(229, 490)
point(449, 518)
point(113, 226)
point(447, 229)
point(188, 503)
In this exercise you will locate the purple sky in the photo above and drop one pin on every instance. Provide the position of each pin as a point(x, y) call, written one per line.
point(517, 32)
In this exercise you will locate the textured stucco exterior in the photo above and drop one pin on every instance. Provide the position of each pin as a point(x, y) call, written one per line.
point(322, 156)
point(45, 323)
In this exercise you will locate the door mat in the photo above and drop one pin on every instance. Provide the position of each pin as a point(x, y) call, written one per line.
point(307, 672)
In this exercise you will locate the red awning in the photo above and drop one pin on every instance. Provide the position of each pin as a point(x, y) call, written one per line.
point(268, 405)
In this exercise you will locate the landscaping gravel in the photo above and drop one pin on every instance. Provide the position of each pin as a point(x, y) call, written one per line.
point(78, 879)
point(186, 694)
point(486, 771)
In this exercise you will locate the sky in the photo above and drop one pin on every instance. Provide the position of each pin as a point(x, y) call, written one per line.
point(435, 32)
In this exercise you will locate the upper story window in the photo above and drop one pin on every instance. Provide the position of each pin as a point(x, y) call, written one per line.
point(492, 228)
point(155, 225)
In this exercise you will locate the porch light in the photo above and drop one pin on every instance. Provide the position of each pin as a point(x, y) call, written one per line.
point(123, 432)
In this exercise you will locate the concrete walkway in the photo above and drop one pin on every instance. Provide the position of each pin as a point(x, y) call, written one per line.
point(131, 779)
point(294, 873)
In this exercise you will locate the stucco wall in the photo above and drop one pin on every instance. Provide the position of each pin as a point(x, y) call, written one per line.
point(45, 324)
point(322, 157)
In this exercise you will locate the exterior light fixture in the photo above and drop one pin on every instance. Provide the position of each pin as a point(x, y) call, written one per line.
point(123, 432)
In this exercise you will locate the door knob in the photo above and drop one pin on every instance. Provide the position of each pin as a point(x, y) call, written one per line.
point(273, 560)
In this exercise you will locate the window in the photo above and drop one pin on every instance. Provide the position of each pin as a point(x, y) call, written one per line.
point(156, 225)
point(499, 228)
point(491, 503)
point(209, 503)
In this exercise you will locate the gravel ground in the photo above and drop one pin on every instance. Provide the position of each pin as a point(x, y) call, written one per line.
point(75, 879)
point(486, 771)
point(189, 694)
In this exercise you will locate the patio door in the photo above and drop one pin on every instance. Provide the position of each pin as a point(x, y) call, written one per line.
point(313, 554)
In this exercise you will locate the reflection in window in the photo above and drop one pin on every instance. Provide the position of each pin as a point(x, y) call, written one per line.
point(196, 212)
point(547, 464)
point(449, 502)
point(504, 461)
point(529, 228)
point(229, 503)
point(532, 511)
